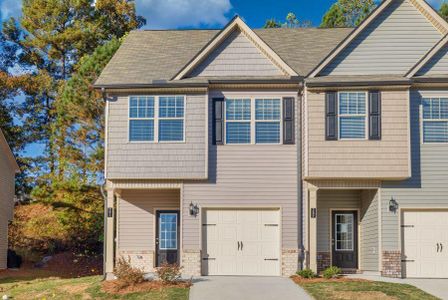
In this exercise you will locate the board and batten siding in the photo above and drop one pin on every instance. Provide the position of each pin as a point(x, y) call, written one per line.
point(385, 158)
point(391, 44)
point(166, 160)
point(136, 217)
point(366, 202)
point(236, 56)
point(7, 174)
point(428, 186)
point(253, 176)
point(437, 65)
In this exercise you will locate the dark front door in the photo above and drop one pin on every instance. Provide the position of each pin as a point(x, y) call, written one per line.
point(167, 237)
point(345, 239)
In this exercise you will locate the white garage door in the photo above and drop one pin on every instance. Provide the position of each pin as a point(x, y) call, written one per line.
point(241, 242)
point(425, 243)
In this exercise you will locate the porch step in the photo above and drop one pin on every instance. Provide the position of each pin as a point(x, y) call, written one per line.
point(351, 271)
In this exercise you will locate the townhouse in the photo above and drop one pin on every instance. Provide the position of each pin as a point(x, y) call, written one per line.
point(260, 152)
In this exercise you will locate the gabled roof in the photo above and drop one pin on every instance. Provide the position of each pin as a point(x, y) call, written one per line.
point(424, 8)
point(428, 56)
point(6, 151)
point(236, 24)
point(151, 57)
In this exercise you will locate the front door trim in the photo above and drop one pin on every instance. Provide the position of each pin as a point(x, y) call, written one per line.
point(157, 232)
point(358, 234)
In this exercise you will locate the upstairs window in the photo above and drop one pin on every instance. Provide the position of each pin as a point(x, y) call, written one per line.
point(141, 119)
point(267, 121)
point(238, 121)
point(352, 115)
point(435, 120)
point(156, 118)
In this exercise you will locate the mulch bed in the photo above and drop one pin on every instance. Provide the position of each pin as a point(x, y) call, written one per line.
point(299, 280)
point(115, 287)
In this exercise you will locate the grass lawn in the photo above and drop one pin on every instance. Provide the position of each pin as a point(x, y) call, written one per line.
point(366, 290)
point(78, 288)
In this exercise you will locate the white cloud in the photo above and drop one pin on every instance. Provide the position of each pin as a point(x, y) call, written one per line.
point(10, 8)
point(171, 14)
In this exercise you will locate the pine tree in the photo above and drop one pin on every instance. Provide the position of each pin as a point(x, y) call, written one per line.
point(347, 13)
point(444, 10)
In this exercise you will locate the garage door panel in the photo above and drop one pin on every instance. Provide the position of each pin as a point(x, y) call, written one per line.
point(423, 233)
point(259, 242)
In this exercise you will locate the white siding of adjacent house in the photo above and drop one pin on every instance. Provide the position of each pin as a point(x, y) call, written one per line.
point(392, 44)
point(437, 65)
point(6, 202)
point(428, 187)
point(146, 160)
point(236, 56)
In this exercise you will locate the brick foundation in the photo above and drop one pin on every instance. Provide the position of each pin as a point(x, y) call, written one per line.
point(391, 266)
point(191, 262)
point(290, 261)
point(140, 259)
point(323, 261)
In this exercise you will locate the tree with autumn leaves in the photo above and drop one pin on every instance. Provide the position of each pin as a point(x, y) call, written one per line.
point(49, 58)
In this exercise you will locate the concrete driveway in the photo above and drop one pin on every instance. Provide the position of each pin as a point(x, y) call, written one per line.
point(246, 288)
point(436, 287)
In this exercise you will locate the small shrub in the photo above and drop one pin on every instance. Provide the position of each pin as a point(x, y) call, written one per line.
point(128, 275)
point(331, 272)
point(169, 273)
point(306, 273)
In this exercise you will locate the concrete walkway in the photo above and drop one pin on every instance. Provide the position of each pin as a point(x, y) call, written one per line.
point(246, 288)
point(435, 287)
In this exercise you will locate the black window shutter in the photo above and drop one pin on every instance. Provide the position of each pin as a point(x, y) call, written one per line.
point(288, 121)
point(374, 115)
point(218, 121)
point(331, 116)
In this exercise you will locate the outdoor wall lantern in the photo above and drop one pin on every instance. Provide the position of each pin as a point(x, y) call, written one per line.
point(194, 209)
point(393, 205)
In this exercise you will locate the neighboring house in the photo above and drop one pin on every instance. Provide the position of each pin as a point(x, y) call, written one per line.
point(259, 152)
point(8, 169)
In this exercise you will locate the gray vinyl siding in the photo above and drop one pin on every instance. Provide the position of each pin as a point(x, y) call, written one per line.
point(247, 176)
point(437, 65)
point(428, 187)
point(136, 217)
point(6, 202)
point(236, 56)
point(146, 160)
point(369, 243)
point(391, 44)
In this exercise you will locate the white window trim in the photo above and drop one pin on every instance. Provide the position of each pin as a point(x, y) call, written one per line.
point(156, 120)
point(252, 120)
point(423, 120)
point(177, 230)
point(365, 115)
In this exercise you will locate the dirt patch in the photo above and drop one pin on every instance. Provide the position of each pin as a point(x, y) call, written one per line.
point(300, 280)
point(114, 287)
point(75, 288)
point(373, 295)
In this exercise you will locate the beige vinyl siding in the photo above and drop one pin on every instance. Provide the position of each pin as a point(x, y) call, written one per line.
point(369, 244)
point(136, 217)
point(391, 44)
point(332, 199)
point(6, 202)
point(428, 187)
point(386, 158)
point(167, 160)
point(247, 176)
point(236, 56)
point(437, 65)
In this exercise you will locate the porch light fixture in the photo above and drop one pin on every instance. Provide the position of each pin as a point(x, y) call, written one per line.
point(393, 205)
point(194, 209)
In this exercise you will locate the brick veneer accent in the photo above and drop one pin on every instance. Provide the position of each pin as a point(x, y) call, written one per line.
point(391, 264)
point(191, 262)
point(139, 259)
point(290, 261)
point(323, 261)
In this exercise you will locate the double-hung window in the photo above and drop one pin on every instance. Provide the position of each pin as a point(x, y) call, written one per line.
point(238, 121)
point(435, 120)
point(267, 121)
point(141, 118)
point(156, 118)
point(352, 115)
